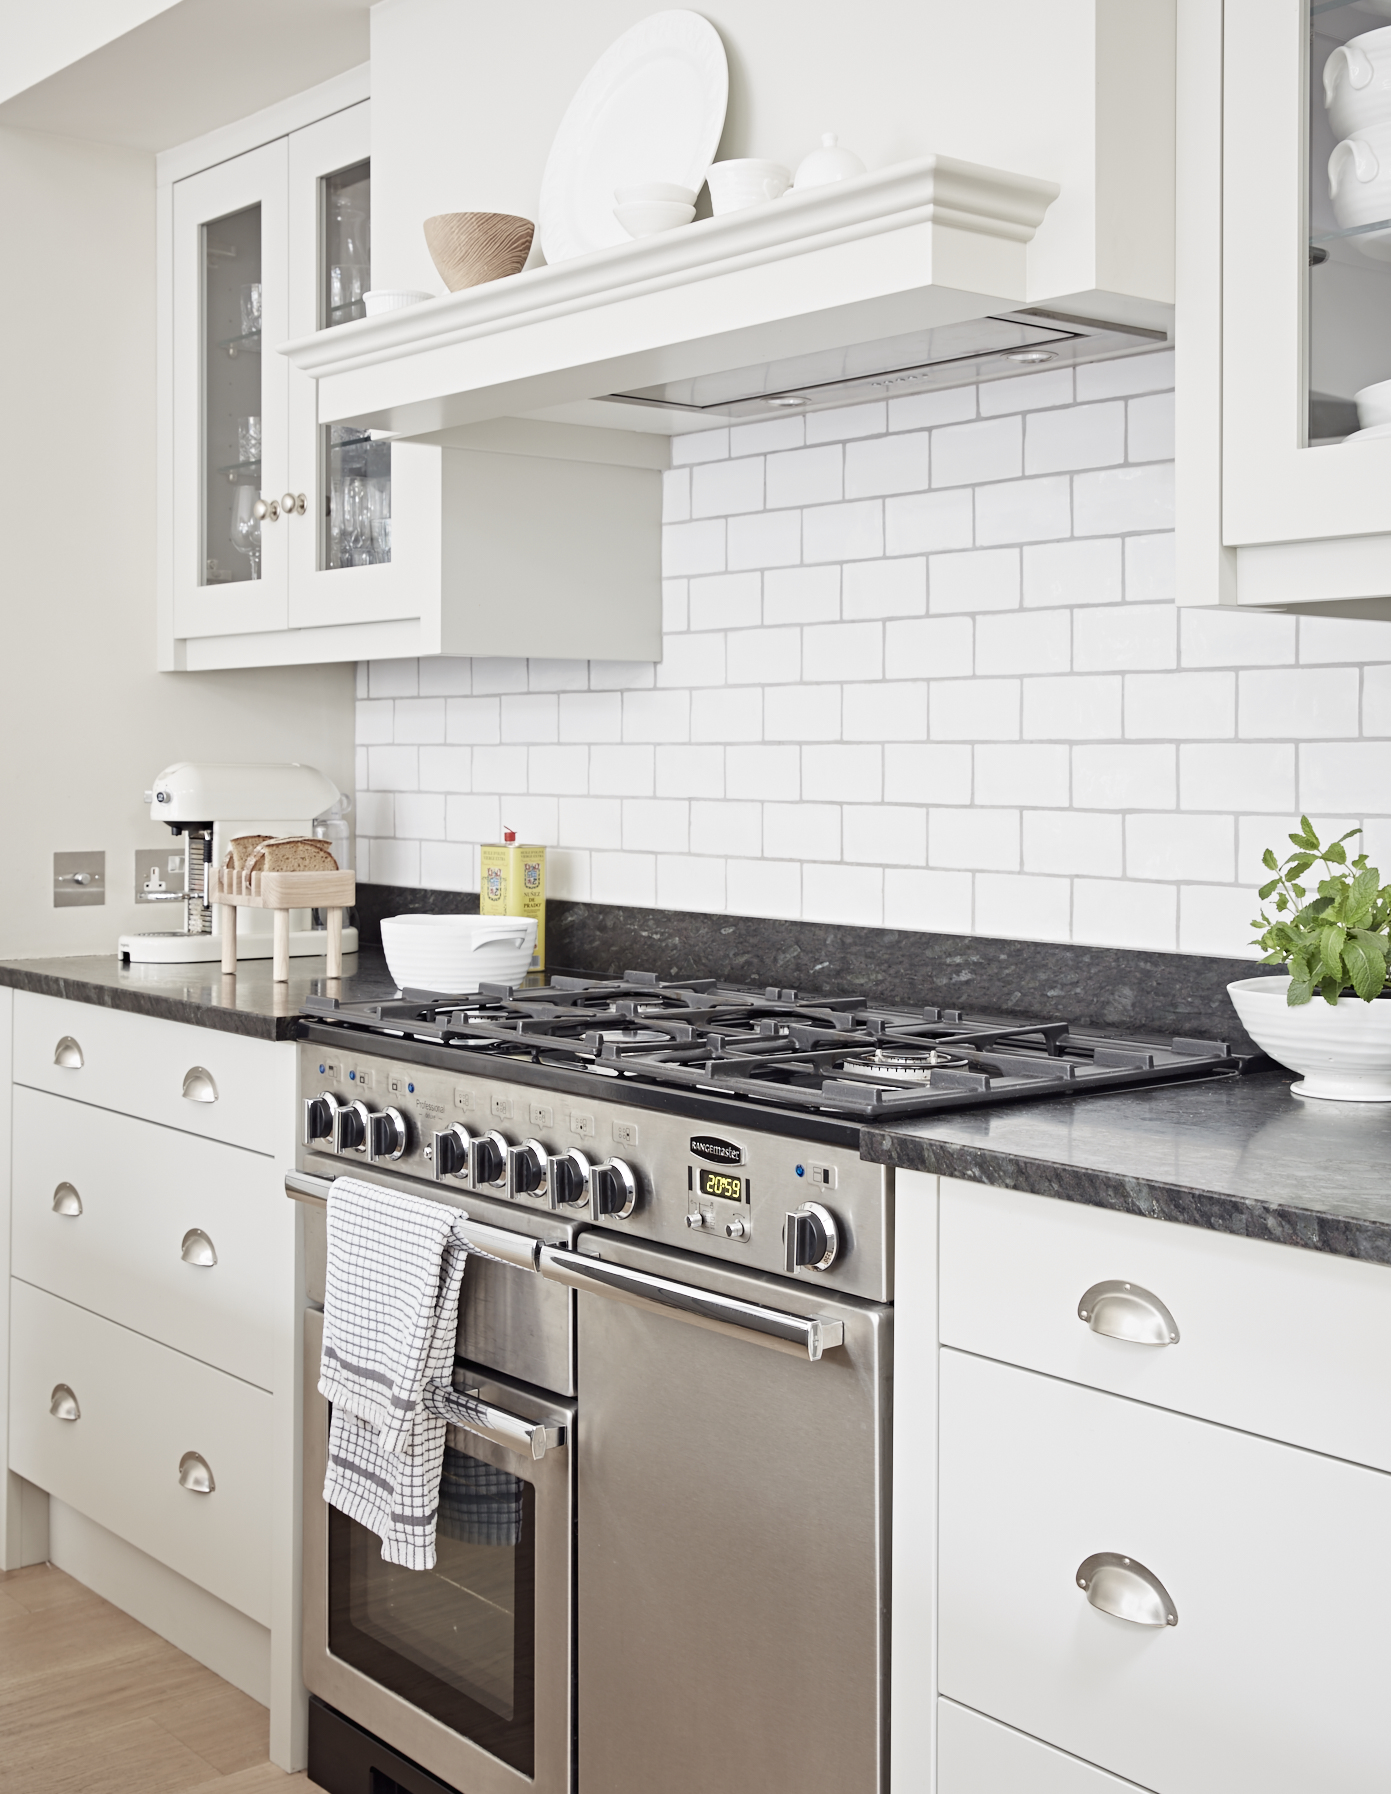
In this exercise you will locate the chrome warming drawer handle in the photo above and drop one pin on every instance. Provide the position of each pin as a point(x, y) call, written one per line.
point(513, 1249)
point(1125, 1311)
point(795, 1334)
point(1120, 1586)
point(465, 1408)
point(195, 1474)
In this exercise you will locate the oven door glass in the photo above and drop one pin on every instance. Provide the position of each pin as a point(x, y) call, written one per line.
point(458, 1641)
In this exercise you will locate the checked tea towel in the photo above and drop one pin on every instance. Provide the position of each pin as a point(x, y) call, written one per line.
point(395, 1268)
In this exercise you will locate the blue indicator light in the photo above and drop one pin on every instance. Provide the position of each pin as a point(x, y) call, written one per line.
point(411, 1088)
point(801, 1171)
point(352, 1074)
point(321, 1068)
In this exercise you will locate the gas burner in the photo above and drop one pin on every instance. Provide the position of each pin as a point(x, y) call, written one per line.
point(837, 1055)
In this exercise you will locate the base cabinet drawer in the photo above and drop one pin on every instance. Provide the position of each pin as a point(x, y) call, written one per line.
point(1272, 1560)
point(198, 1079)
point(975, 1755)
point(167, 1234)
point(1272, 1339)
point(124, 1458)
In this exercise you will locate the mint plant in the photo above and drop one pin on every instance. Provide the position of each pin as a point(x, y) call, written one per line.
point(1337, 941)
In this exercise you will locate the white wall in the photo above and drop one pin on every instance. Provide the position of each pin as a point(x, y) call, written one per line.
point(85, 721)
point(923, 668)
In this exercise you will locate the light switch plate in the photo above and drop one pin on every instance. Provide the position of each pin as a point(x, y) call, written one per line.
point(79, 879)
point(159, 873)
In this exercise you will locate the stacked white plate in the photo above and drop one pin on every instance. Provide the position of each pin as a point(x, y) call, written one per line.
point(453, 954)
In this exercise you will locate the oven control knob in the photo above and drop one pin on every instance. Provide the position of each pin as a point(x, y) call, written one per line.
point(526, 1169)
point(319, 1112)
point(386, 1135)
point(488, 1161)
point(695, 1220)
point(451, 1152)
point(812, 1238)
point(615, 1189)
point(567, 1179)
point(350, 1128)
point(736, 1230)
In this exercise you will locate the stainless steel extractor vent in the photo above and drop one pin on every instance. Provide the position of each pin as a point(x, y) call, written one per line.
point(991, 348)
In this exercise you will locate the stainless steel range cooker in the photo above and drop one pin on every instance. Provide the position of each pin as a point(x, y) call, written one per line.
point(663, 1553)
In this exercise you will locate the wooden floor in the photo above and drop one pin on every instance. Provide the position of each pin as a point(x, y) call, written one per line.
point(91, 1702)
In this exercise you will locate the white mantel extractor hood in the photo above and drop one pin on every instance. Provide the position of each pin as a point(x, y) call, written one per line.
point(902, 279)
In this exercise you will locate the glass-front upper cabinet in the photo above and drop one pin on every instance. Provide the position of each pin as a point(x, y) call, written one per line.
point(280, 524)
point(1306, 276)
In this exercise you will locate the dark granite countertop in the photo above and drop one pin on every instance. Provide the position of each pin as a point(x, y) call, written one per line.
point(1236, 1155)
point(251, 1003)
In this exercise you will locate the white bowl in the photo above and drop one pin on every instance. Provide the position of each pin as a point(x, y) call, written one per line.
point(1374, 404)
point(1343, 1051)
point(453, 954)
point(1373, 433)
point(645, 217)
point(746, 181)
point(387, 299)
point(1357, 81)
point(1359, 183)
point(634, 196)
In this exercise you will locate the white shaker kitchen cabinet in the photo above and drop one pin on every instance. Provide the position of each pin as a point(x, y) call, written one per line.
point(1284, 276)
point(976, 1755)
point(286, 541)
point(1269, 1559)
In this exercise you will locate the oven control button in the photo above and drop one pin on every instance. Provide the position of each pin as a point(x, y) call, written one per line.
point(319, 1112)
point(386, 1135)
point(695, 1220)
point(488, 1161)
point(567, 1179)
point(812, 1238)
point(526, 1169)
point(451, 1152)
point(736, 1230)
point(615, 1189)
point(350, 1128)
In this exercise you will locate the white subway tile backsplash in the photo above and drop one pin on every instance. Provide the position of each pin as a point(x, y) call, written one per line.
point(894, 588)
point(922, 664)
point(1075, 436)
point(807, 476)
point(1037, 641)
point(966, 454)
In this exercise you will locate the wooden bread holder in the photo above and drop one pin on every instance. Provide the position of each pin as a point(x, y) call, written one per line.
point(281, 892)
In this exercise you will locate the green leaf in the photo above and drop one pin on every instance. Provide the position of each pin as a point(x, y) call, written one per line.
point(1331, 943)
point(1308, 829)
point(1300, 991)
point(1269, 861)
point(1330, 989)
point(1299, 864)
point(1348, 836)
point(1336, 854)
point(1267, 891)
point(1367, 970)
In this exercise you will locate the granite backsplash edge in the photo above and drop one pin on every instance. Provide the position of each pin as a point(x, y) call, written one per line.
point(1109, 988)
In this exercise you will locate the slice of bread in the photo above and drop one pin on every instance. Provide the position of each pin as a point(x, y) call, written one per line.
point(243, 846)
point(292, 853)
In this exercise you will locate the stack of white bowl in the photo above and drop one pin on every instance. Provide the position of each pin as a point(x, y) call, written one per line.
point(454, 954)
point(1357, 93)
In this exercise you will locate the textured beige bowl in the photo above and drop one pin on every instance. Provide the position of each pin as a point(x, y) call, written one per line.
point(471, 247)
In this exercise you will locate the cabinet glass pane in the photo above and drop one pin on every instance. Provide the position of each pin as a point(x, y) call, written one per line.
point(231, 397)
point(357, 487)
point(1348, 301)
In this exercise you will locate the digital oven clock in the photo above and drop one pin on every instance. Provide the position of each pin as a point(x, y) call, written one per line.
point(723, 1184)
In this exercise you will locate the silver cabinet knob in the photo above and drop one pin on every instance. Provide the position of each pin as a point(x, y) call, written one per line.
point(199, 1086)
point(197, 1248)
point(294, 504)
point(68, 1053)
point(1125, 1311)
point(1120, 1586)
point(62, 1404)
point(265, 510)
point(195, 1473)
point(66, 1200)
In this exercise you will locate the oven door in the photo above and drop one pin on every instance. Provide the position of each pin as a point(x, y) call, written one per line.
point(466, 1668)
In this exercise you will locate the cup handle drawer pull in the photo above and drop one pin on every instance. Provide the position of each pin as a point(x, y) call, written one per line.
point(1125, 1311)
point(197, 1248)
point(199, 1086)
point(195, 1473)
point(66, 1200)
point(68, 1053)
point(1119, 1586)
point(62, 1404)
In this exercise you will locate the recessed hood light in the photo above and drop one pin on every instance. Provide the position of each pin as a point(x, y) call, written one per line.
point(1032, 355)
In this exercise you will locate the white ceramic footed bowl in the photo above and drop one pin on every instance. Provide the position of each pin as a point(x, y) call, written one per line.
point(453, 954)
point(1374, 404)
point(1357, 79)
point(1344, 1052)
point(636, 196)
point(746, 181)
point(1359, 177)
point(391, 299)
point(645, 217)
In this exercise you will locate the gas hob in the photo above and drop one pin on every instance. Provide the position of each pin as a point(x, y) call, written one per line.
point(836, 1056)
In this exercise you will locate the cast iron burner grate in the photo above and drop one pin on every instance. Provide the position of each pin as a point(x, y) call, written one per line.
point(837, 1055)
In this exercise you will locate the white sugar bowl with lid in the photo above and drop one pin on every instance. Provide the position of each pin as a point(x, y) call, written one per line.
point(827, 164)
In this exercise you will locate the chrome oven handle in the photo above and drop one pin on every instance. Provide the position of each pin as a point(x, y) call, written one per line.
point(491, 1242)
point(795, 1334)
point(465, 1409)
